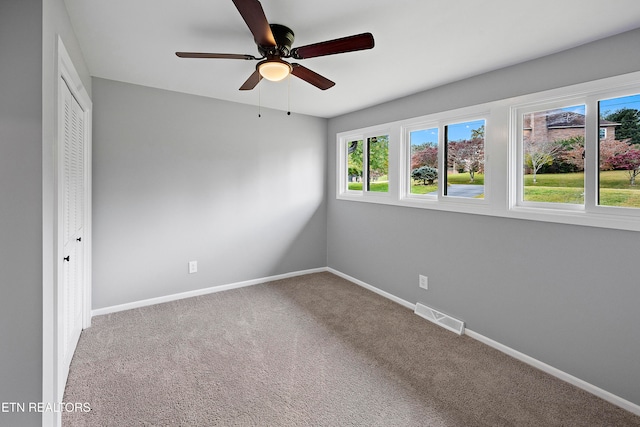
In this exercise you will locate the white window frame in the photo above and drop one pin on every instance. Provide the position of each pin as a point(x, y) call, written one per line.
point(405, 156)
point(624, 90)
point(589, 214)
point(503, 165)
point(342, 164)
point(517, 162)
point(484, 115)
point(365, 163)
point(399, 162)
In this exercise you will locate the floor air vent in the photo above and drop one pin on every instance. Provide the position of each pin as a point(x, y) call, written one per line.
point(447, 322)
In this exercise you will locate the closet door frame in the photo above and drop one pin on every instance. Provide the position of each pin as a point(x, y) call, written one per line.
point(55, 371)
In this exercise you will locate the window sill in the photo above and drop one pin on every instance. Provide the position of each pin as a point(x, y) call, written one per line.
point(482, 207)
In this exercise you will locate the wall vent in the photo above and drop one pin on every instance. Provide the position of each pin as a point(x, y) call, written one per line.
point(444, 320)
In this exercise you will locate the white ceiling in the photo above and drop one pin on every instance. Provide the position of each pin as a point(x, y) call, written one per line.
point(420, 44)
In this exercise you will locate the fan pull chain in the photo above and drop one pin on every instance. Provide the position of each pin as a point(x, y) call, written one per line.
point(289, 95)
point(259, 102)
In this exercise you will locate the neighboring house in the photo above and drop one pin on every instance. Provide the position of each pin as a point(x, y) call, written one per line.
point(557, 125)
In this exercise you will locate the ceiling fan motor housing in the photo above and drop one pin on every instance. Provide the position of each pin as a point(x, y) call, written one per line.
point(284, 39)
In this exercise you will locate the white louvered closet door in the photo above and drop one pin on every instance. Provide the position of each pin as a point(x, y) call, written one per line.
point(73, 208)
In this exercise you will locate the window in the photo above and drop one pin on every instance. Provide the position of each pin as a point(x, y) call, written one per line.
point(354, 165)
point(603, 133)
point(569, 155)
point(423, 162)
point(619, 152)
point(552, 155)
point(378, 163)
point(464, 144)
point(365, 164)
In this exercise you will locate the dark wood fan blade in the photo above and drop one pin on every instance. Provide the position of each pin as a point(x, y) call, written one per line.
point(331, 47)
point(311, 77)
point(214, 55)
point(253, 15)
point(252, 81)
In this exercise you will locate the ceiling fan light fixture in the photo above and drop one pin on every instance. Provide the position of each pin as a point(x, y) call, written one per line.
point(274, 70)
point(274, 42)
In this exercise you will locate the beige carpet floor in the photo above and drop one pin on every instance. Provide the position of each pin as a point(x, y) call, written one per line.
point(314, 350)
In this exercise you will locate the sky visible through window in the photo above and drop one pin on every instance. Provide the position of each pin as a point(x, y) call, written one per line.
point(426, 136)
point(462, 131)
point(457, 132)
point(610, 105)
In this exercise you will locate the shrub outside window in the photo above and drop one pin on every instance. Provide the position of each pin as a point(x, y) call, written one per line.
point(423, 162)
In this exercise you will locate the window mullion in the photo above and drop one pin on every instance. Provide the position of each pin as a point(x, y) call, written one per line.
point(442, 185)
point(366, 165)
point(394, 161)
point(442, 161)
point(591, 161)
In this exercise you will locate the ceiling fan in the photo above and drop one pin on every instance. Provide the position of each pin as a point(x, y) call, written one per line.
point(274, 43)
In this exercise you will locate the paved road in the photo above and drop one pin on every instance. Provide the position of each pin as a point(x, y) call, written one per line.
point(463, 190)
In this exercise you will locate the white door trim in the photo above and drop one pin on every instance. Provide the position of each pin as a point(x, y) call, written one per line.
point(54, 375)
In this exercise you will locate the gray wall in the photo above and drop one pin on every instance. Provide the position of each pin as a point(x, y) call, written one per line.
point(20, 206)
point(565, 295)
point(178, 177)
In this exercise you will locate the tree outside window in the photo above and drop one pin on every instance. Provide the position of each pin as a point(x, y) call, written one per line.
point(464, 144)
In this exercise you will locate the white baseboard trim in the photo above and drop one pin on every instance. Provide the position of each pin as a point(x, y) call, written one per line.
point(590, 388)
point(198, 292)
point(385, 294)
point(603, 394)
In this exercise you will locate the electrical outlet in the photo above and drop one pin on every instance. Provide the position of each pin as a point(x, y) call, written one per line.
point(193, 267)
point(424, 282)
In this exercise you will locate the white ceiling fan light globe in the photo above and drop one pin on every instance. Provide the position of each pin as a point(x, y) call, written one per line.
point(274, 71)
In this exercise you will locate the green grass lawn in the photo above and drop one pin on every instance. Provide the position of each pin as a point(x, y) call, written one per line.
point(615, 197)
point(465, 178)
point(550, 188)
point(378, 186)
point(554, 194)
point(608, 179)
point(615, 189)
point(556, 180)
point(423, 189)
